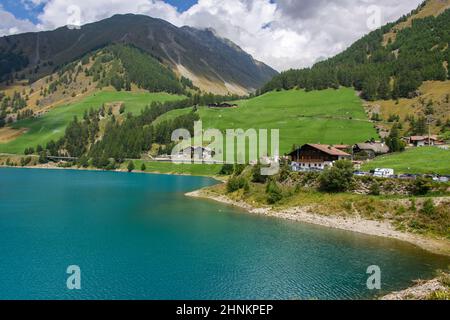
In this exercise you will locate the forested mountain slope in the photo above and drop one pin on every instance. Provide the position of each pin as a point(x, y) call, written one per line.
point(212, 63)
point(390, 62)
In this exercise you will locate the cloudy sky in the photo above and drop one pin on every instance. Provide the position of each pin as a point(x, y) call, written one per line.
point(282, 33)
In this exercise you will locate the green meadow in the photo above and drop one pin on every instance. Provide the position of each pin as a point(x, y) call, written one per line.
point(328, 117)
point(173, 168)
point(53, 124)
point(429, 160)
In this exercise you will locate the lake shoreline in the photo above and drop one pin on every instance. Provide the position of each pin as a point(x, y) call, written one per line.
point(353, 224)
point(298, 214)
point(53, 167)
point(302, 215)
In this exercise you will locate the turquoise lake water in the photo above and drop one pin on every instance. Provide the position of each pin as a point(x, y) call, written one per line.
point(137, 236)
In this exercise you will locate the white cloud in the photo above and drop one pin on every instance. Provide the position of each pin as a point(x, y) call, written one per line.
point(10, 25)
point(58, 13)
point(293, 33)
point(282, 33)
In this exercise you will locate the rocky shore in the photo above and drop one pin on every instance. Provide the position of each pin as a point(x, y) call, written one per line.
point(434, 289)
point(354, 224)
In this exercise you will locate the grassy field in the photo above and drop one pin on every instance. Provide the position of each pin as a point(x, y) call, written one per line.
point(184, 169)
point(52, 125)
point(328, 116)
point(418, 160)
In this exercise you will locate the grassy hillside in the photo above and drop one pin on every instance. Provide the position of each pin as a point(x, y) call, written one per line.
point(434, 96)
point(417, 160)
point(52, 125)
point(172, 168)
point(328, 116)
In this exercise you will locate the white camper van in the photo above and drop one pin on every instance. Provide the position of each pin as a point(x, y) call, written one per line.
point(384, 173)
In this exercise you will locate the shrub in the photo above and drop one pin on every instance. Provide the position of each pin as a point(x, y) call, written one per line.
point(428, 208)
point(274, 193)
point(308, 178)
point(29, 151)
point(285, 171)
point(421, 186)
point(337, 178)
point(239, 168)
point(227, 170)
point(25, 161)
point(143, 167)
point(374, 189)
point(236, 183)
point(257, 177)
point(112, 165)
point(440, 295)
point(413, 206)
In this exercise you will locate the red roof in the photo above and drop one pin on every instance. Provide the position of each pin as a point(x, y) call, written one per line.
point(422, 138)
point(329, 150)
point(341, 146)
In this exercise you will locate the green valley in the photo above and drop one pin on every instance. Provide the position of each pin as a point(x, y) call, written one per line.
point(327, 116)
point(52, 124)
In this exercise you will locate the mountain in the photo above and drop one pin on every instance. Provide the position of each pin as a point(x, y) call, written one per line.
point(212, 63)
point(388, 63)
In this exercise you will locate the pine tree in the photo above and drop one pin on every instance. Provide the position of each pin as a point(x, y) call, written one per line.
point(130, 166)
point(384, 89)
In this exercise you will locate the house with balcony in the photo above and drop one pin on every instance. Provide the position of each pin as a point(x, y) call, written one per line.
point(316, 157)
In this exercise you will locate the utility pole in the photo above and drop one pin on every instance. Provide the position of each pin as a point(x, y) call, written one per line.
point(429, 122)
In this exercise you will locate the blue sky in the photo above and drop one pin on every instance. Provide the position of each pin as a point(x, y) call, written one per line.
point(17, 8)
point(22, 11)
point(182, 5)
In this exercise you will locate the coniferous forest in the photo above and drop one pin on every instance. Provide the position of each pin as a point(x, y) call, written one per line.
point(381, 71)
point(123, 137)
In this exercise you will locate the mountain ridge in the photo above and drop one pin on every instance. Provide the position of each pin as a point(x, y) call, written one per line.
point(213, 64)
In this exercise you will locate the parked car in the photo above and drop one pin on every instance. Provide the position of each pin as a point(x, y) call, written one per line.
point(407, 177)
point(362, 174)
point(444, 179)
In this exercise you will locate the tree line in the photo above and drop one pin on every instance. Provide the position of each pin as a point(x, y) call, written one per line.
point(379, 71)
point(121, 139)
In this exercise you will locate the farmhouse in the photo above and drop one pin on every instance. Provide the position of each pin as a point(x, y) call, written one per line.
point(221, 105)
point(196, 152)
point(316, 156)
point(370, 149)
point(422, 141)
